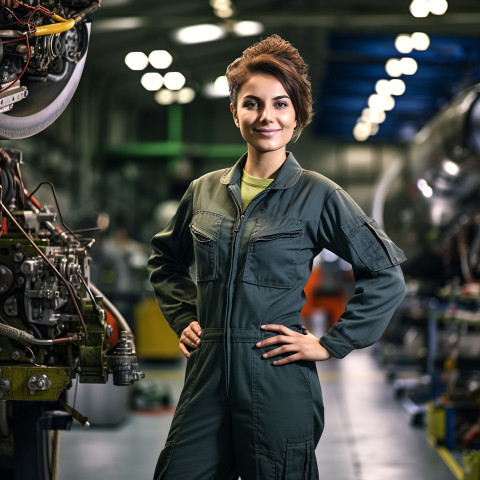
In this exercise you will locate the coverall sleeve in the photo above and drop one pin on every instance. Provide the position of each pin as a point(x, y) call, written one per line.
point(345, 230)
point(168, 266)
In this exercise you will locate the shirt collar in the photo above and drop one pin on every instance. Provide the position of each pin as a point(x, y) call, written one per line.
point(287, 176)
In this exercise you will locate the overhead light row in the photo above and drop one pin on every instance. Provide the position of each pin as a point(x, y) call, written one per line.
point(209, 32)
point(173, 82)
point(422, 8)
point(383, 100)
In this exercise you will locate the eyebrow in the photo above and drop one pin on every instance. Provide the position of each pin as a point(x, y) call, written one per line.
point(278, 97)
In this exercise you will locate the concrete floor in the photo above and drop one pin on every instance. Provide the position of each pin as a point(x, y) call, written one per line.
point(367, 434)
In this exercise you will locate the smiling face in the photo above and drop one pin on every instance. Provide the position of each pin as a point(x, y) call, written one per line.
point(265, 115)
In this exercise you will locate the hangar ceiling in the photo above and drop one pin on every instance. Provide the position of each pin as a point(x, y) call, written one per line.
point(345, 42)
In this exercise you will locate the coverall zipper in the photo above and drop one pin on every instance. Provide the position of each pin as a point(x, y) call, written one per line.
point(227, 335)
point(236, 230)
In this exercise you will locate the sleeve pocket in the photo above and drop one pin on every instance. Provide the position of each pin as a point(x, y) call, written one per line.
point(371, 244)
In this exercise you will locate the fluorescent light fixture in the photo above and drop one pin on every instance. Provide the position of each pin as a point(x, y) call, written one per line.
point(420, 41)
point(199, 33)
point(247, 28)
point(174, 80)
point(160, 59)
point(165, 97)
point(114, 24)
point(403, 43)
point(185, 95)
point(152, 81)
point(136, 60)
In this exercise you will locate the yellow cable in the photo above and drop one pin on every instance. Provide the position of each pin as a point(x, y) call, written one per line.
point(62, 26)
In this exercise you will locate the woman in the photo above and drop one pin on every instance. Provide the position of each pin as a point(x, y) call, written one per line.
point(251, 404)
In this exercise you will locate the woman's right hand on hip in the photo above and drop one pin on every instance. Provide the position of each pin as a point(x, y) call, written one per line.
point(190, 338)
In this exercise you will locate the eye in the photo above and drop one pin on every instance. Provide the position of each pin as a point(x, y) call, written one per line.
point(250, 104)
point(281, 104)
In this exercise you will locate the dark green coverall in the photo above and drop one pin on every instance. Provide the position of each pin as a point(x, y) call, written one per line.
point(237, 412)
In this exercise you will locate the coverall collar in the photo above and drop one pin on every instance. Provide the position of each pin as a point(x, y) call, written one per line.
point(287, 176)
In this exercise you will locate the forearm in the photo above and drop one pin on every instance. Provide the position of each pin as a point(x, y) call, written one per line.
point(367, 313)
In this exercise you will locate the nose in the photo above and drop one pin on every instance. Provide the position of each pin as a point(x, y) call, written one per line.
point(266, 115)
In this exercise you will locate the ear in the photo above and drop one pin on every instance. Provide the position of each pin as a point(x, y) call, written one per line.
point(234, 113)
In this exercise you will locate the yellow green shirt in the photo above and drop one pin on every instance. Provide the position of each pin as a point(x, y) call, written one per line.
point(251, 187)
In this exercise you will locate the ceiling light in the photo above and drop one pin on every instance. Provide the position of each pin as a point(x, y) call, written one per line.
point(136, 60)
point(438, 7)
point(408, 65)
point(199, 33)
point(361, 131)
point(185, 95)
point(451, 168)
point(114, 24)
point(165, 97)
point(425, 188)
point(373, 116)
point(225, 12)
point(152, 81)
point(160, 59)
point(393, 67)
point(403, 43)
point(247, 28)
point(174, 80)
point(382, 87)
point(420, 8)
point(420, 41)
point(221, 86)
point(381, 102)
point(397, 86)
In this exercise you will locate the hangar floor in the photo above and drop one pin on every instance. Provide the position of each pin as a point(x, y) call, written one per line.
point(367, 434)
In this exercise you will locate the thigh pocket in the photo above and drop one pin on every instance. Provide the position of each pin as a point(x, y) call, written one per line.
point(272, 252)
point(205, 230)
point(300, 461)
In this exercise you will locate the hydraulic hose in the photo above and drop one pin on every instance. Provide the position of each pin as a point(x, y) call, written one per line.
point(112, 309)
point(23, 336)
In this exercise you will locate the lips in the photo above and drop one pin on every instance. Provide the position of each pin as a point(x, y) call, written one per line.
point(265, 132)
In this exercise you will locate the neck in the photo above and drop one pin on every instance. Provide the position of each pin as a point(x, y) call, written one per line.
point(264, 164)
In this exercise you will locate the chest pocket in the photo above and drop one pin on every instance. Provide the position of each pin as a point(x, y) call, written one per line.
point(272, 252)
point(371, 244)
point(205, 230)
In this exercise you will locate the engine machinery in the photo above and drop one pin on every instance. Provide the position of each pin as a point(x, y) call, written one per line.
point(42, 53)
point(55, 325)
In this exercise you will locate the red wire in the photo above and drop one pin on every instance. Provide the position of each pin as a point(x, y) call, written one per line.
point(13, 40)
point(24, 68)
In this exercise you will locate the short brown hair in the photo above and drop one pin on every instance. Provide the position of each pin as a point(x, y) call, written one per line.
point(279, 58)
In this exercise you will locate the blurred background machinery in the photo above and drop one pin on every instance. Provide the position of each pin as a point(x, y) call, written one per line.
point(55, 326)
